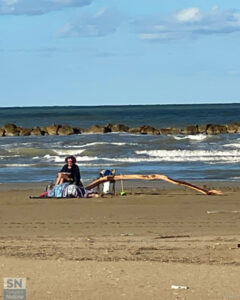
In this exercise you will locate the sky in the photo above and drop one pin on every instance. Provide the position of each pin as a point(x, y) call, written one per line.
point(119, 52)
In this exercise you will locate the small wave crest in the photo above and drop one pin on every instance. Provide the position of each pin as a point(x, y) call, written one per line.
point(234, 145)
point(69, 152)
point(101, 143)
point(192, 155)
point(210, 156)
point(18, 165)
point(197, 137)
point(60, 159)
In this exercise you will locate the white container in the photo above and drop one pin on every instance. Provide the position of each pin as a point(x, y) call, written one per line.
point(179, 287)
point(106, 187)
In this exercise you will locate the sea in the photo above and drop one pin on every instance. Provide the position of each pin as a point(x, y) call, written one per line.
point(183, 157)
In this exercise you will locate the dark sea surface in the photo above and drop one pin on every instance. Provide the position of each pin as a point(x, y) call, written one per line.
point(191, 157)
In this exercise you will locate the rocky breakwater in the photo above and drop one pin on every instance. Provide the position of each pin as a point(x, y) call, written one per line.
point(10, 129)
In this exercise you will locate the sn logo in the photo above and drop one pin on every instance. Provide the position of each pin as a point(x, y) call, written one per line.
point(15, 283)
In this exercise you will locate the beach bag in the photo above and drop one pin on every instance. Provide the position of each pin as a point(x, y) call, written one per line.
point(104, 173)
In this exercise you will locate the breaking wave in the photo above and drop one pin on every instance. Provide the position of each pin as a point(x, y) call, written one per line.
point(197, 137)
point(234, 145)
point(18, 165)
point(192, 155)
point(100, 143)
point(54, 158)
point(69, 152)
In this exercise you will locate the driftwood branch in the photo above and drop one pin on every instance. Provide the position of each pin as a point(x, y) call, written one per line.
point(151, 177)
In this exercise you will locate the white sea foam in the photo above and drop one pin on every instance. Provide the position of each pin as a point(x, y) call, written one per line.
point(234, 145)
point(69, 152)
point(18, 165)
point(87, 158)
point(100, 143)
point(131, 134)
point(211, 156)
point(197, 137)
point(62, 159)
point(123, 144)
point(192, 155)
point(51, 158)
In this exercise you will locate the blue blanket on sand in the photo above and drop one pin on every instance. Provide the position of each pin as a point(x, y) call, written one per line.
point(65, 190)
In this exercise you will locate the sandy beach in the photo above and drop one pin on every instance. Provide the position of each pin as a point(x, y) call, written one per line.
point(133, 247)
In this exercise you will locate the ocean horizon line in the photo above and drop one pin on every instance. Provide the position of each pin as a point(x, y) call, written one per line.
point(121, 105)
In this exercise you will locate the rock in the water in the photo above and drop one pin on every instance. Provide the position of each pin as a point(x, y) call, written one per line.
point(9, 126)
point(37, 131)
point(97, 129)
point(165, 131)
point(77, 130)
point(146, 129)
point(202, 128)
point(117, 127)
point(233, 127)
point(10, 129)
point(171, 130)
point(43, 130)
point(25, 131)
point(134, 130)
point(192, 129)
point(176, 131)
point(65, 130)
point(2, 132)
point(52, 129)
point(216, 129)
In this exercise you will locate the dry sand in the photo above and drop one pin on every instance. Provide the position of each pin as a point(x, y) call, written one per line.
point(132, 247)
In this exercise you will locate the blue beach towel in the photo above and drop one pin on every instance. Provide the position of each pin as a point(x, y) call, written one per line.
point(66, 190)
point(58, 190)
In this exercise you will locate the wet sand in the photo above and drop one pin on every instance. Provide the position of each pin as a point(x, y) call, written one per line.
point(132, 247)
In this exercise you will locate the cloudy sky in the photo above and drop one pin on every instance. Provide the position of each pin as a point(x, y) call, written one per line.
point(110, 52)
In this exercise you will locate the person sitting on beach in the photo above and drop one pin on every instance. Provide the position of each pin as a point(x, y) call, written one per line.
point(69, 173)
point(68, 183)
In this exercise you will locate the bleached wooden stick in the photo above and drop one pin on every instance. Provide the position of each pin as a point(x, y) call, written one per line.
point(151, 177)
